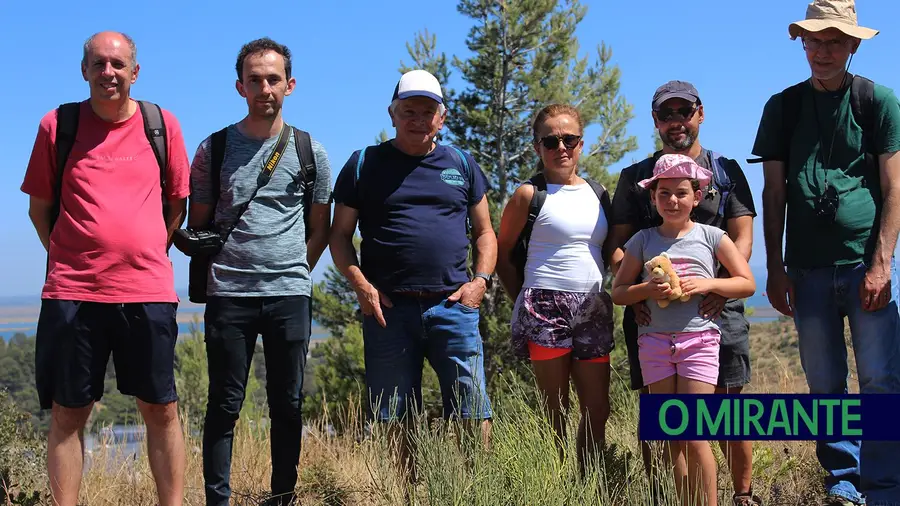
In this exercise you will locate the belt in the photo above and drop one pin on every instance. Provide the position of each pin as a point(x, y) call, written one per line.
point(423, 294)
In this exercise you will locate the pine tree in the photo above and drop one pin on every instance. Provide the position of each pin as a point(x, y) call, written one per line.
point(525, 55)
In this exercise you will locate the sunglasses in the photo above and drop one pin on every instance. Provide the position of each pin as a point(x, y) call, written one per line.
point(666, 114)
point(552, 141)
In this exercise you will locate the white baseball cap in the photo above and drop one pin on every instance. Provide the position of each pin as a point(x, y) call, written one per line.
point(418, 83)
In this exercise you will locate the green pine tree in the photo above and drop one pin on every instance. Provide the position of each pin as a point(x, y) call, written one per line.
point(524, 55)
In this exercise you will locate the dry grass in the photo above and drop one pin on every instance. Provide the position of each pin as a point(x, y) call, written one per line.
point(356, 468)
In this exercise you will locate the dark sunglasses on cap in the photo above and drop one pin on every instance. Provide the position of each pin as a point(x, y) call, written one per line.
point(552, 141)
point(667, 113)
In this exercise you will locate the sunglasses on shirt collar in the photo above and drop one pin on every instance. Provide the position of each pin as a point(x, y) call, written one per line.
point(552, 141)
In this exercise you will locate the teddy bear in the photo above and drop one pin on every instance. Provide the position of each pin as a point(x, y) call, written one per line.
point(659, 268)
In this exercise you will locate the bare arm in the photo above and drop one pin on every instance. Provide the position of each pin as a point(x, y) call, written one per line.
point(741, 283)
point(624, 291)
point(174, 218)
point(484, 237)
point(319, 229)
point(619, 235)
point(471, 293)
point(199, 215)
point(889, 172)
point(740, 230)
point(774, 207)
point(39, 211)
point(341, 244)
point(515, 215)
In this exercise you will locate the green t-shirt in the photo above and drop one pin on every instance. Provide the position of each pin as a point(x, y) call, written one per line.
point(811, 241)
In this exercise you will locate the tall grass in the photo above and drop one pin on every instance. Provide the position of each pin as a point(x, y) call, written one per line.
point(521, 467)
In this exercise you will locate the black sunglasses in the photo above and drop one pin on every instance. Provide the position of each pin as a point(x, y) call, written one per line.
point(552, 141)
point(666, 113)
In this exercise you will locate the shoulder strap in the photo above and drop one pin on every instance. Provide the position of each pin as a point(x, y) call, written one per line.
point(360, 161)
point(791, 101)
point(216, 157)
point(66, 130)
point(862, 104)
point(537, 202)
point(722, 182)
point(605, 203)
point(303, 144)
point(462, 157)
point(155, 128)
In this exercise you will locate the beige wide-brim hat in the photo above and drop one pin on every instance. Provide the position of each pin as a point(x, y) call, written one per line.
point(824, 14)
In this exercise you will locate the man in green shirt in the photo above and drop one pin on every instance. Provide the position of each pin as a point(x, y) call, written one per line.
point(829, 148)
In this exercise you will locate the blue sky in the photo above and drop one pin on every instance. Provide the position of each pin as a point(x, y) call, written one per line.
point(346, 56)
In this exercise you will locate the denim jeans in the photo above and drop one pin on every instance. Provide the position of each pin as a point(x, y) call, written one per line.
point(857, 470)
point(446, 333)
point(233, 325)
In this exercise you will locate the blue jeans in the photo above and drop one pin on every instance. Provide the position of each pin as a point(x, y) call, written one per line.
point(233, 325)
point(866, 471)
point(446, 333)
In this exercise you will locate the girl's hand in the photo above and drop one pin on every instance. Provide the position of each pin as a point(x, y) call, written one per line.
point(697, 286)
point(658, 291)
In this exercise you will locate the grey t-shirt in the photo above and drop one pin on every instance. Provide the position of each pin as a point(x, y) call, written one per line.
point(692, 256)
point(266, 253)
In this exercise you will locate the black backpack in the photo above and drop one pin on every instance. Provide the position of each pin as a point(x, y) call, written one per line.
point(520, 251)
point(862, 105)
point(67, 129)
point(303, 145)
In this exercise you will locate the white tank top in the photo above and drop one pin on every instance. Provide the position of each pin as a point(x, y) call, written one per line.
point(564, 252)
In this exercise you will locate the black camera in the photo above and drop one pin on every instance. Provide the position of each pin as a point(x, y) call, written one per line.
point(201, 246)
point(198, 243)
point(827, 204)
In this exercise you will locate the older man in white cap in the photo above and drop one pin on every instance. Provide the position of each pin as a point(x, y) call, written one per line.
point(413, 199)
point(829, 147)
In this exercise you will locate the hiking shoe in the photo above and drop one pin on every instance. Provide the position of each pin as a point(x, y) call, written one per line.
point(837, 500)
point(747, 499)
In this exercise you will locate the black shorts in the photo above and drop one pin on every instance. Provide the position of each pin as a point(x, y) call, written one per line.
point(75, 339)
point(734, 348)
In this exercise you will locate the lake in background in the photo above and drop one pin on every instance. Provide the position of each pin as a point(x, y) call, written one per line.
point(20, 314)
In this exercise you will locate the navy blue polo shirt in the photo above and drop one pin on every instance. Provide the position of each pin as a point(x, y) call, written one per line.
point(412, 215)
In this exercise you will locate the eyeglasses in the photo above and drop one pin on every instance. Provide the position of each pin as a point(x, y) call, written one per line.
point(831, 45)
point(665, 114)
point(552, 141)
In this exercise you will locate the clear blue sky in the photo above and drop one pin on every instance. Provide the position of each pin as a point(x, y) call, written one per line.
point(346, 56)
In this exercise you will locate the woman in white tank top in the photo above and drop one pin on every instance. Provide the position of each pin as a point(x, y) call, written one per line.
point(562, 319)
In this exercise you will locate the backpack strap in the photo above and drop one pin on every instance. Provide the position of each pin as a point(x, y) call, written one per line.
point(66, 129)
point(605, 204)
point(360, 161)
point(862, 104)
point(534, 207)
point(155, 128)
point(462, 159)
point(216, 157)
point(791, 102)
point(721, 181)
point(303, 143)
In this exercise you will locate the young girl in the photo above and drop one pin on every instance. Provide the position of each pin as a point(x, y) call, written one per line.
point(679, 350)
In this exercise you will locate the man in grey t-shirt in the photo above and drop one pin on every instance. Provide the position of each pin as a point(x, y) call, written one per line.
point(259, 283)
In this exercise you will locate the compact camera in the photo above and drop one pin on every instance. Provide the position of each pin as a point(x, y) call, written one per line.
point(827, 204)
point(198, 243)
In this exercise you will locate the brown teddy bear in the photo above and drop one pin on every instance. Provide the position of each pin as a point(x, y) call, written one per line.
point(659, 268)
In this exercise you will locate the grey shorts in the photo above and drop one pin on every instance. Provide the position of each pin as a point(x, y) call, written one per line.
point(734, 348)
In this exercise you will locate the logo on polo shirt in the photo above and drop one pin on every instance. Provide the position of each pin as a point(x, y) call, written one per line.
point(453, 177)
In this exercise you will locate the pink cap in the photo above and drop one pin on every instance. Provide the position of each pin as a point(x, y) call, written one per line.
point(678, 167)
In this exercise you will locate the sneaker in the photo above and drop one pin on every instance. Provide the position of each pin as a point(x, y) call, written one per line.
point(747, 499)
point(837, 500)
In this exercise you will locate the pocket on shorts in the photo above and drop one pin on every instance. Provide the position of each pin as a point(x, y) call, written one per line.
point(711, 338)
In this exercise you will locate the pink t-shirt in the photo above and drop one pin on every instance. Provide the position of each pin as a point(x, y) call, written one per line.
point(109, 242)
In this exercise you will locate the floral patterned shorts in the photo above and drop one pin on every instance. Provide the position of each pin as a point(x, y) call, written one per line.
point(582, 322)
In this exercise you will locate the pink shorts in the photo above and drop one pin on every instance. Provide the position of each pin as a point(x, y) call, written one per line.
point(693, 355)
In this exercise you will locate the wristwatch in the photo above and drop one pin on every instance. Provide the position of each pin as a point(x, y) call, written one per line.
point(486, 277)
